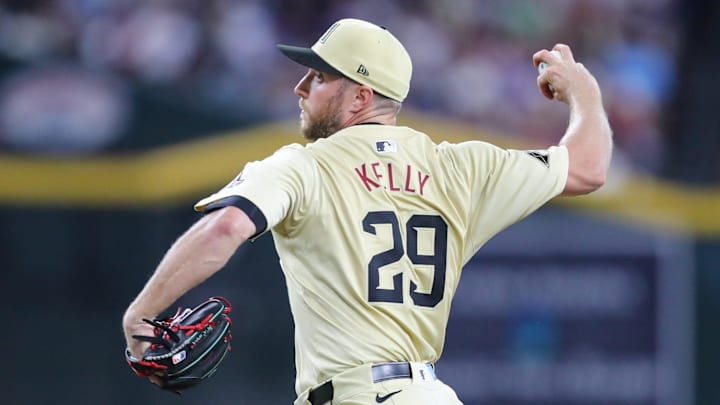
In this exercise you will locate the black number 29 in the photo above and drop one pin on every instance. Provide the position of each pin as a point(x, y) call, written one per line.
point(438, 259)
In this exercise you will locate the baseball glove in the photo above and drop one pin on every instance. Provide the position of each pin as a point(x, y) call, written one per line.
point(186, 348)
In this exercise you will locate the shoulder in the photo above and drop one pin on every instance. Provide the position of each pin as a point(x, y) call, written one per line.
point(471, 150)
point(289, 162)
point(291, 149)
point(292, 154)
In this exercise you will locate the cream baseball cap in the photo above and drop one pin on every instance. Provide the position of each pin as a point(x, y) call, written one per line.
point(362, 52)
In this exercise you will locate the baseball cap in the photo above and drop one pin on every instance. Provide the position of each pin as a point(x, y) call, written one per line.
point(362, 52)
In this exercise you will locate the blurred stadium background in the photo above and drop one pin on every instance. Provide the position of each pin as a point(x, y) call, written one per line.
point(117, 115)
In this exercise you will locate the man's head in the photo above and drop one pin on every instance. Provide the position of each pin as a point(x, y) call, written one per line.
point(357, 70)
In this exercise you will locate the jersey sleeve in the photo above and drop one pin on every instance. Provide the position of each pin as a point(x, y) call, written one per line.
point(508, 185)
point(265, 190)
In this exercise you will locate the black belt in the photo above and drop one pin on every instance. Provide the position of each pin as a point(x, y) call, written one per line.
point(380, 372)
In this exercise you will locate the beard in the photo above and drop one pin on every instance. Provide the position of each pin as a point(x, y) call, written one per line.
point(326, 123)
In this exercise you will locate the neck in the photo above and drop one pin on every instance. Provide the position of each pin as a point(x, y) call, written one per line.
point(378, 116)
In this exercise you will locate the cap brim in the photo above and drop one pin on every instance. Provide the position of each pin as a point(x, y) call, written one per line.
point(308, 58)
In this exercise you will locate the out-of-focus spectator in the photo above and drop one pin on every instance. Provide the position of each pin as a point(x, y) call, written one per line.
point(156, 43)
point(33, 36)
point(472, 59)
point(61, 111)
point(243, 36)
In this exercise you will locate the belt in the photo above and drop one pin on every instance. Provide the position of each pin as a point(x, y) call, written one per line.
point(380, 372)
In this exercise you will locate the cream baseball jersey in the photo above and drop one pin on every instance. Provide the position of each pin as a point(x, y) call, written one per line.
point(373, 226)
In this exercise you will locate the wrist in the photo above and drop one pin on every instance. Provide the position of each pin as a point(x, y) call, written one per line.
point(134, 316)
point(586, 94)
point(585, 105)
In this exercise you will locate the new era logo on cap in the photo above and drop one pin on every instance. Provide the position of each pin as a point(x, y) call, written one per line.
point(363, 70)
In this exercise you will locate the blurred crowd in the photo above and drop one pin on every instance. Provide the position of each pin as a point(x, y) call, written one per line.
point(69, 67)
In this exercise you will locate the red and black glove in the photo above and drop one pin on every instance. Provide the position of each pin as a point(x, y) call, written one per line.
point(186, 348)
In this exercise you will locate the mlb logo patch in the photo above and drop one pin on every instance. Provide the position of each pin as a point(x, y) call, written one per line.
point(178, 357)
point(385, 146)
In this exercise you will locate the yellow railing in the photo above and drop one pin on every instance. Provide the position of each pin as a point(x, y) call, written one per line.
point(189, 171)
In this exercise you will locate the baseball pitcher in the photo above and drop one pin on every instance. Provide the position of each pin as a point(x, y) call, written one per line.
point(373, 222)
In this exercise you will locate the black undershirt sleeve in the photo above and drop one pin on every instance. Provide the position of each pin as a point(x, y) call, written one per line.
point(248, 207)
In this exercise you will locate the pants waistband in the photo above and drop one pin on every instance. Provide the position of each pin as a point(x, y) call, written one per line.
point(380, 372)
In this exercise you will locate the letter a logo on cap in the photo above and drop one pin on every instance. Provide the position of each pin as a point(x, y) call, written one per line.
point(363, 70)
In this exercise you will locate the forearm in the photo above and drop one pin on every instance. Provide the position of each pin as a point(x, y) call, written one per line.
point(589, 143)
point(203, 250)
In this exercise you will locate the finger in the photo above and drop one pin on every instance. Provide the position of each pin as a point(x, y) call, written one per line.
point(565, 52)
point(540, 56)
point(155, 380)
point(546, 56)
point(545, 87)
point(138, 349)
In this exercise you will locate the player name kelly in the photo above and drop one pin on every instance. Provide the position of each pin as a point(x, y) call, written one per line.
point(390, 177)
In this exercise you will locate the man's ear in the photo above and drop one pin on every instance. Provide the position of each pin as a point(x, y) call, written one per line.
point(362, 98)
